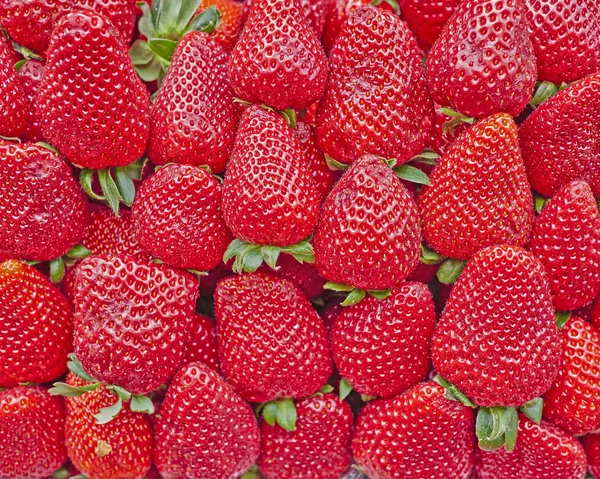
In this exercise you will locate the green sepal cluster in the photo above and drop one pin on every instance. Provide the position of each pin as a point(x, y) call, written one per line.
point(456, 119)
point(280, 411)
point(545, 90)
point(58, 265)
point(453, 393)
point(429, 256)
point(249, 257)
point(561, 318)
point(392, 3)
point(356, 295)
point(450, 270)
point(345, 388)
point(252, 473)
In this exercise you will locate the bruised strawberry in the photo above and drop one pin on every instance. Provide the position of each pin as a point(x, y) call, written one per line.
point(426, 18)
point(30, 74)
point(14, 107)
point(230, 27)
point(201, 345)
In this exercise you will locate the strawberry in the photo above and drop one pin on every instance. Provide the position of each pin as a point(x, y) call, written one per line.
point(194, 118)
point(559, 140)
point(331, 313)
point(444, 130)
point(205, 429)
point(30, 74)
point(304, 275)
point(596, 313)
point(131, 318)
point(426, 18)
point(262, 356)
point(337, 17)
point(177, 217)
point(230, 27)
point(278, 29)
point(382, 347)
point(385, 109)
point(591, 444)
point(479, 194)
point(417, 434)
point(208, 283)
point(566, 239)
point(14, 107)
point(31, 433)
point(201, 345)
point(483, 61)
point(319, 447)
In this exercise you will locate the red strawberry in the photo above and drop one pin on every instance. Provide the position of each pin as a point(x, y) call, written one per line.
point(318, 448)
point(177, 217)
point(337, 17)
point(566, 239)
point(272, 344)
point(417, 434)
point(208, 283)
point(194, 118)
point(479, 194)
point(385, 109)
point(559, 139)
point(331, 313)
point(426, 18)
point(424, 273)
point(596, 313)
point(14, 108)
point(591, 444)
point(304, 275)
point(201, 345)
point(205, 429)
point(278, 29)
point(131, 320)
point(315, 12)
point(483, 62)
point(30, 74)
point(442, 135)
point(31, 433)
point(230, 27)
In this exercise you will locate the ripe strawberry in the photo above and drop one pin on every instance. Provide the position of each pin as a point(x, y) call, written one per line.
point(368, 234)
point(194, 118)
point(475, 69)
point(417, 434)
point(388, 111)
point(559, 140)
point(31, 433)
point(304, 275)
point(204, 429)
point(382, 347)
point(331, 313)
point(497, 340)
point(426, 18)
point(441, 135)
point(121, 448)
point(319, 447)
point(278, 29)
point(566, 239)
point(596, 313)
point(201, 345)
point(230, 27)
point(591, 444)
point(272, 344)
point(315, 12)
point(14, 108)
point(479, 194)
point(208, 283)
point(30, 74)
point(131, 320)
point(177, 217)
point(337, 17)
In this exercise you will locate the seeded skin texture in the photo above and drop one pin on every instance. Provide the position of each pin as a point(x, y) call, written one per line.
point(497, 339)
point(204, 429)
point(201, 345)
point(92, 106)
point(542, 451)
point(283, 210)
point(368, 234)
point(131, 320)
point(304, 275)
point(559, 140)
point(441, 140)
point(591, 444)
point(31, 433)
point(272, 343)
point(177, 217)
point(230, 27)
point(566, 38)
point(417, 434)
point(14, 108)
point(337, 16)
point(479, 194)
point(566, 239)
point(278, 59)
point(194, 118)
point(483, 61)
point(119, 449)
point(30, 76)
point(376, 99)
point(43, 211)
point(319, 448)
point(426, 18)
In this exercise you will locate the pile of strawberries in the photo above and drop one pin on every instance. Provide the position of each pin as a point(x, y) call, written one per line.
point(300, 239)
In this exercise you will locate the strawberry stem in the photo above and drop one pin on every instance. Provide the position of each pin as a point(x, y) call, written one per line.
point(496, 427)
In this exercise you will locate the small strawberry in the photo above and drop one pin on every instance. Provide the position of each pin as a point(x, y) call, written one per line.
point(201, 345)
point(591, 444)
point(14, 107)
point(30, 73)
point(426, 18)
point(304, 275)
point(228, 31)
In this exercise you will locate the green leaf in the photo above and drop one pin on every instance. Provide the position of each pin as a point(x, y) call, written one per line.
point(286, 414)
point(238, 264)
point(142, 404)
point(165, 20)
point(301, 258)
point(426, 157)
point(457, 119)
point(379, 294)
point(125, 186)
point(20, 64)
point(77, 369)
point(232, 250)
point(79, 252)
point(197, 272)
point(340, 287)
point(497, 426)
point(450, 270)
point(63, 389)
point(561, 318)
point(543, 91)
point(124, 394)
point(57, 270)
point(392, 3)
point(145, 25)
point(533, 409)
point(289, 116)
point(303, 248)
point(510, 435)
point(270, 413)
point(366, 398)
point(85, 179)
point(163, 48)
point(207, 21)
point(345, 388)
point(110, 190)
point(135, 168)
point(539, 203)
point(242, 102)
point(149, 72)
point(141, 53)
point(355, 297)
point(48, 146)
point(328, 388)
point(453, 393)
point(61, 473)
point(429, 256)
point(270, 254)
point(252, 259)
point(187, 11)
point(335, 165)
point(251, 473)
point(108, 413)
point(412, 174)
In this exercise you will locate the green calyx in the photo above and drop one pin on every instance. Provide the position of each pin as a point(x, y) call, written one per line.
point(453, 393)
point(356, 295)
point(249, 257)
point(58, 265)
point(345, 388)
point(538, 203)
point(496, 427)
point(561, 318)
point(429, 256)
point(412, 174)
point(335, 165)
point(545, 90)
point(533, 409)
point(392, 3)
point(328, 388)
point(426, 157)
point(450, 270)
point(456, 119)
point(251, 473)
point(282, 412)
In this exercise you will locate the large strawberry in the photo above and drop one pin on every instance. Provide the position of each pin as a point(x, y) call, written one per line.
point(566, 239)
point(559, 139)
point(31, 433)
point(477, 70)
point(417, 434)
point(205, 430)
point(591, 444)
point(426, 18)
point(376, 99)
point(201, 345)
point(14, 107)
point(30, 74)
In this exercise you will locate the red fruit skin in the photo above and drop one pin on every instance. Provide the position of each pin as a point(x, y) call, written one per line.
point(566, 239)
point(177, 217)
point(304, 275)
point(230, 27)
point(43, 210)
point(339, 12)
point(386, 109)
point(282, 211)
point(201, 345)
point(131, 320)
point(478, 72)
point(440, 141)
point(542, 451)
point(208, 283)
point(559, 140)
point(479, 194)
point(596, 313)
point(278, 29)
point(272, 343)
point(319, 448)
point(368, 234)
point(381, 347)
point(585, 312)
point(417, 434)
point(78, 84)
point(194, 118)
point(204, 429)
point(37, 326)
point(315, 12)
point(426, 18)
point(497, 340)
point(424, 273)
point(31, 433)
point(30, 75)
point(591, 444)
point(14, 108)
point(331, 313)
point(128, 436)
